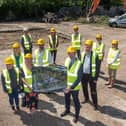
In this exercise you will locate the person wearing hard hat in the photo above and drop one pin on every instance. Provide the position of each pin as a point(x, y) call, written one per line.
point(76, 40)
point(17, 55)
point(113, 61)
point(99, 48)
point(74, 74)
point(42, 56)
point(10, 83)
point(53, 43)
point(26, 76)
point(90, 63)
point(26, 41)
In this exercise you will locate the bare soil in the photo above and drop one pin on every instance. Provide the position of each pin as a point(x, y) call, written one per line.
point(112, 102)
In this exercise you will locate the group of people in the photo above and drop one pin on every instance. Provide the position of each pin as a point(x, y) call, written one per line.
point(17, 76)
point(82, 68)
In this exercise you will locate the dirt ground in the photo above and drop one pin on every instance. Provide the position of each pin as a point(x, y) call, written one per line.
point(112, 102)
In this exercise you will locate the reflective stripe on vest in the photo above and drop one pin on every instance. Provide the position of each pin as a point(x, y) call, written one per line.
point(93, 72)
point(28, 78)
point(76, 41)
point(26, 42)
point(111, 55)
point(21, 59)
point(98, 50)
point(72, 73)
point(7, 79)
point(52, 43)
point(44, 58)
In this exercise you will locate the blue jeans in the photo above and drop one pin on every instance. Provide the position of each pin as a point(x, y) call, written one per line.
point(13, 97)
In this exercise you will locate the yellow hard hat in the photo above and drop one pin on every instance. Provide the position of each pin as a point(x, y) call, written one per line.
point(16, 45)
point(88, 42)
point(75, 27)
point(71, 49)
point(52, 29)
point(99, 36)
point(114, 42)
point(9, 60)
point(40, 42)
point(28, 56)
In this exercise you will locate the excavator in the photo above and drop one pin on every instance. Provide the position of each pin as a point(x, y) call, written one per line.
point(94, 4)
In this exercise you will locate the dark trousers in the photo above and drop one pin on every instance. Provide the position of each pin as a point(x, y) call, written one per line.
point(53, 54)
point(27, 51)
point(76, 102)
point(33, 100)
point(25, 100)
point(30, 100)
point(13, 97)
point(78, 54)
point(99, 64)
point(86, 78)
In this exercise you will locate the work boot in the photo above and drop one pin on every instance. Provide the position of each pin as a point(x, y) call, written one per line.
point(64, 113)
point(85, 101)
point(75, 120)
point(18, 108)
point(13, 108)
point(95, 107)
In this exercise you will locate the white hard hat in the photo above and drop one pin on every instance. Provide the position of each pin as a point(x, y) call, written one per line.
point(25, 29)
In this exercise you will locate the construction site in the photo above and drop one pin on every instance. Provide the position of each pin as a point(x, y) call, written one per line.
point(111, 103)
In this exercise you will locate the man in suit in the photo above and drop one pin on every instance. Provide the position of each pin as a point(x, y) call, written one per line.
point(74, 74)
point(89, 60)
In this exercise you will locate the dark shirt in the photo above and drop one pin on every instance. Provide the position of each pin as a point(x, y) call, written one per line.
point(97, 66)
point(17, 61)
point(22, 75)
point(13, 79)
point(29, 40)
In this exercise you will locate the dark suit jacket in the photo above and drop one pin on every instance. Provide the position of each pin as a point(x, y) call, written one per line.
point(97, 66)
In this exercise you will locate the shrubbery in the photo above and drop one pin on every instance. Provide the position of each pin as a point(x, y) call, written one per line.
point(20, 9)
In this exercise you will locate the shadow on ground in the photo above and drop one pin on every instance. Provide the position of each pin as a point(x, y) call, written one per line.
point(44, 119)
point(119, 84)
point(113, 112)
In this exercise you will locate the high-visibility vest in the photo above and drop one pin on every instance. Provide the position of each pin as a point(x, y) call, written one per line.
point(52, 43)
point(93, 64)
point(72, 73)
point(99, 49)
point(76, 41)
point(28, 78)
point(26, 42)
point(44, 58)
point(8, 80)
point(21, 60)
point(111, 55)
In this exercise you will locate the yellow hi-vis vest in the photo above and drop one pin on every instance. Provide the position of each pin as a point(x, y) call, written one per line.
point(28, 78)
point(72, 73)
point(99, 50)
point(21, 59)
point(111, 55)
point(93, 64)
point(26, 42)
point(44, 58)
point(8, 81)
point(52, 43)
point(76, 41)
